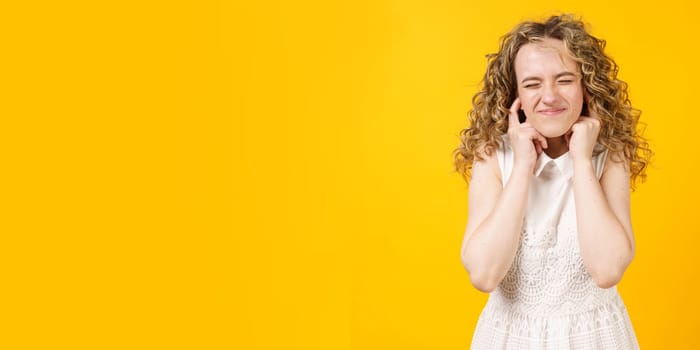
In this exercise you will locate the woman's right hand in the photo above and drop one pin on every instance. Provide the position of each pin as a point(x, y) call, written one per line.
point(526, 142)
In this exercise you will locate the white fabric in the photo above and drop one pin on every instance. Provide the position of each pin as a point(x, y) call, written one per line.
point(548, 300)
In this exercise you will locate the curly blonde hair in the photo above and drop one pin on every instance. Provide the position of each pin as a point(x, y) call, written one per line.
point(608, 96)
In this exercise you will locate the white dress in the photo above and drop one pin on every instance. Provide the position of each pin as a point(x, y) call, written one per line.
point(547, 300)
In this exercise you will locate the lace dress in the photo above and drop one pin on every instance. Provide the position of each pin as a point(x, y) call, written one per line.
point(547, 300)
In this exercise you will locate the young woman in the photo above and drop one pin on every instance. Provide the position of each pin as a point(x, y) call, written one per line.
point(552, 151)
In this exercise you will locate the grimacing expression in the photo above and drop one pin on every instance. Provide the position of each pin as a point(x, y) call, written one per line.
point(549, 86)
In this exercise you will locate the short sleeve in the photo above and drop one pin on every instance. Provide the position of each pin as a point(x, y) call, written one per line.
point(599, 161)
point(504, 154)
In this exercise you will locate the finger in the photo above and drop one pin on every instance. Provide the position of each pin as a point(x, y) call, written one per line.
point(538, 147)
point(541, 139)
point(580, 121)
point(513, 114)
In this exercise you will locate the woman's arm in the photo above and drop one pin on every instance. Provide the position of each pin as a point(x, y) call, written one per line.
point(494, 223)
point(496, 212)
point(605, 234)
point(603, 219)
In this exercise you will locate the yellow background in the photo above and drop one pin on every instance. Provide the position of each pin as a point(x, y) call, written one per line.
point(256, 175)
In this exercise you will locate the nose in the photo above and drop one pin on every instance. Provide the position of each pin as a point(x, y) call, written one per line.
point(549, 94)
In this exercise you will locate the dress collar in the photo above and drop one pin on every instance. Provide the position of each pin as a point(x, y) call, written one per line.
point(563, 164)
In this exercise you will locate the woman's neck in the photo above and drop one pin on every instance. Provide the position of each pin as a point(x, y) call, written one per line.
point(556, 146)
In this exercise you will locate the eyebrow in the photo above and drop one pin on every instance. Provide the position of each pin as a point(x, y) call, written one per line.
point(562, 74)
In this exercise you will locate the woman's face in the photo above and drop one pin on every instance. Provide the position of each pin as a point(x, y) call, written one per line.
point(549, 86)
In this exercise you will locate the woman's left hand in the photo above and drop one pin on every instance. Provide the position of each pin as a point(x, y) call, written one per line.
point(583, 136)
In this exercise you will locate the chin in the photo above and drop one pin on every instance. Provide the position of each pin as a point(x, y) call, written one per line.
point(552, 133)
point(554, 129)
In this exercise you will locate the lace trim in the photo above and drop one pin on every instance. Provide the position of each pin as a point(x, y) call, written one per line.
point(605, 327)
point(548, 276)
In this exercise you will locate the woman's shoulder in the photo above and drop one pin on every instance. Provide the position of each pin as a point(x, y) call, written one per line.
point(503, 150)
point(607, 159)
point(493, 153)
point(495, 158)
